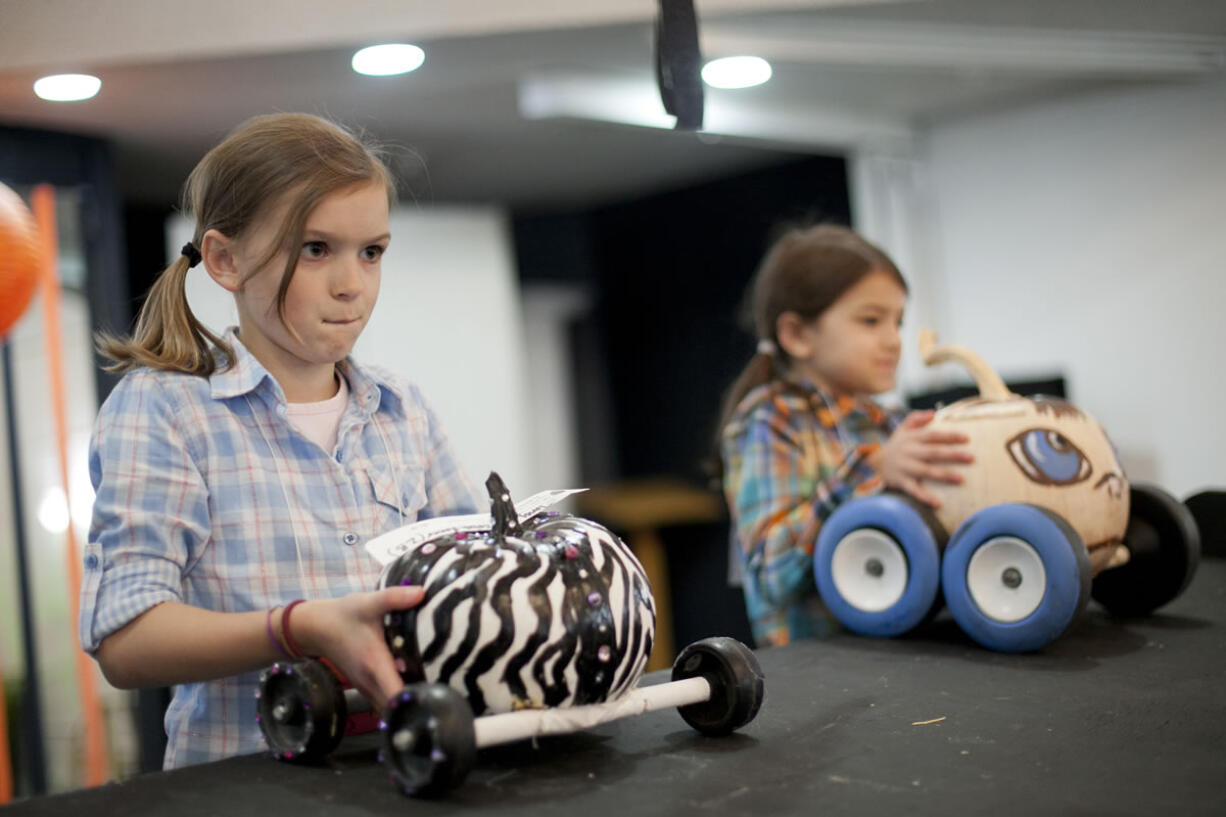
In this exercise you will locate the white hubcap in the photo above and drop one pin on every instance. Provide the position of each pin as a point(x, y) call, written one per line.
point(869, 570)
point(1006, 579)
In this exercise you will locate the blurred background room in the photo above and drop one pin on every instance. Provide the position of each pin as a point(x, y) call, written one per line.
point(567, 267)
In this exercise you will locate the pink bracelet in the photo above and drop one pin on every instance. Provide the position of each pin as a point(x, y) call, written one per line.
point(285, 631)
point(276, 642)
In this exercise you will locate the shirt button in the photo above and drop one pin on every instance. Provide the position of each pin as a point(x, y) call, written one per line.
point(350, 538)
point(91, 561)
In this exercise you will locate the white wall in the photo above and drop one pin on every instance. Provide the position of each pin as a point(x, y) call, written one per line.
point(549, 310)
point(1088, 237)
point(450, 319)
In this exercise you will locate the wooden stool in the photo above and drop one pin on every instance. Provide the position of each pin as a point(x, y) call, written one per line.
point(638, 509)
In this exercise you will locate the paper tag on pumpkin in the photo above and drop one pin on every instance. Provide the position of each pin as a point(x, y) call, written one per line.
point(388, 547)
point(536, 503)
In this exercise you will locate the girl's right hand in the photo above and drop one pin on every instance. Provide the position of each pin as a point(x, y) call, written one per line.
point(348, 631)
point(914, 453)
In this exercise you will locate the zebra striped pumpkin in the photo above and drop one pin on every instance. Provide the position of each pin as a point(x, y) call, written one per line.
point(553, 611)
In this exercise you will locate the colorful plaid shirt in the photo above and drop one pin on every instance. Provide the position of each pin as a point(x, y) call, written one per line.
point(207, 496)
point(793, 454)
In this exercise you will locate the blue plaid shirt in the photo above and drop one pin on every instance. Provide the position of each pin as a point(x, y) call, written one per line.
point(207, 496)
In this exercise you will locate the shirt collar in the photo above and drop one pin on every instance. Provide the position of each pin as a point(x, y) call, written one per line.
point(367, 386)
point(245, 376)
point(841, 406)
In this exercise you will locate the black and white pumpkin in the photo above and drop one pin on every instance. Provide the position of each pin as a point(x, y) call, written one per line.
point(553, 610)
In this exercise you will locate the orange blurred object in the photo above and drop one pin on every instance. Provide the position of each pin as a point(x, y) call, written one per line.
point(21, 259)
point(42, 200)
point(21, 268)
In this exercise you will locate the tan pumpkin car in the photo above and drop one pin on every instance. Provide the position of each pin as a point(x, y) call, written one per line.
point(1044, 519)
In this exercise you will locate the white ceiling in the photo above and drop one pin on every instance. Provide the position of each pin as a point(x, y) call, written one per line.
point(538, 104)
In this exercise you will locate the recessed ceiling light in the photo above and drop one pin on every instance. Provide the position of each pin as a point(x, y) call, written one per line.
point(736, 72)
point(389, 59)
point(67, 87)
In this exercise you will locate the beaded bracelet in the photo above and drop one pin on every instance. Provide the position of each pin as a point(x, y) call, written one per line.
point(276, 642)
point(285, 631)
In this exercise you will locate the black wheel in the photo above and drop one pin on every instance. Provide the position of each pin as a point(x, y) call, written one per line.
point(301, 710)
point(429, 744)
point(736, 679)
point(1164, 546)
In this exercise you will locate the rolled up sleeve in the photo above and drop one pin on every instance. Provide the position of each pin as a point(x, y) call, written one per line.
point(151, 515)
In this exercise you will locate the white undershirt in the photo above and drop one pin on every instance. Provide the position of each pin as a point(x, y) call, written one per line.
point(319, 422)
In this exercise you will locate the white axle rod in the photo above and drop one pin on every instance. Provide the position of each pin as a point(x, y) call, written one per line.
point(492, 730)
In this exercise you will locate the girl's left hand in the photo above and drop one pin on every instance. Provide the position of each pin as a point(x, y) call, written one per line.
point(914, 453)
point(348, 631)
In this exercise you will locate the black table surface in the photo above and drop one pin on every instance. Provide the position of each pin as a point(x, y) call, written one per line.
point(1115, 718)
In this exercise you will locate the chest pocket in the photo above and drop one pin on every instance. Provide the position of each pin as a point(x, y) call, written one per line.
point(399, 496)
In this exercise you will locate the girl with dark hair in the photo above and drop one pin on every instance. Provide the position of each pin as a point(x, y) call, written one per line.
point(800, 430)
point(238, 476)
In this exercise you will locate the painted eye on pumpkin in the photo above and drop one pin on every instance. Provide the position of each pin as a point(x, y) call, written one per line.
point(1048, 457)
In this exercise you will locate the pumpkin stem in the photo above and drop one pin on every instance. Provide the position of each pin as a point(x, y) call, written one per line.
point(989, 383)
point(506, 521)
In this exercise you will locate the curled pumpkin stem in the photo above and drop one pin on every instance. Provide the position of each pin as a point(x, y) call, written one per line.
point(989, 383)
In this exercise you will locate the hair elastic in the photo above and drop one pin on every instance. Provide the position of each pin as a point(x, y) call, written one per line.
point(767, 347)
point(192, 254)
point(285, 631)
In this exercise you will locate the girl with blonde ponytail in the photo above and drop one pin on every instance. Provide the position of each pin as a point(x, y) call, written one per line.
point(800, 432)
point(238, 476)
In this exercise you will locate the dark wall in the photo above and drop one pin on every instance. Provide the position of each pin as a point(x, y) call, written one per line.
point(145, 238)
point(673, 271)
point(1053, 386)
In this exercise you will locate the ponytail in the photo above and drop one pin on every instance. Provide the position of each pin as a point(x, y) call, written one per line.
point(759, 371)
point(167, 336)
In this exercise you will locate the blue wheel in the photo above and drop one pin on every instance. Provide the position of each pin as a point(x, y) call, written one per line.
point(1015, 576)
point(877, 564)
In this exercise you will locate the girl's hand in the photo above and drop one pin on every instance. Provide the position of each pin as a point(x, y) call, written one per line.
point(348, 631)
point(914, 452)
